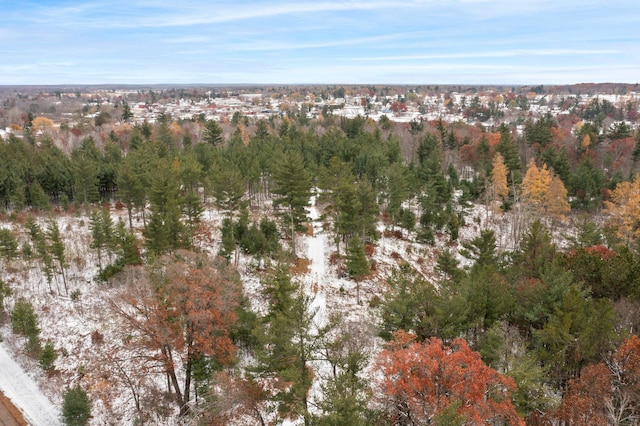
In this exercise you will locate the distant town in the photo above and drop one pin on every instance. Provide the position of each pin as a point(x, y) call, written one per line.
point(483, 106)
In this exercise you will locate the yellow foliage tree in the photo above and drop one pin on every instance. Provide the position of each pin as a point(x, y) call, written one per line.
point(544, 192)
point(624, 211)
point(535, 185)
point(41, 124)
point(499, 177)
point(555, 199)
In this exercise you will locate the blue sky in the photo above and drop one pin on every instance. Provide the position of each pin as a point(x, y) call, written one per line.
point(320, 41)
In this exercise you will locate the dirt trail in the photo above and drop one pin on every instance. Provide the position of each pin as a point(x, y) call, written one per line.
point(9, 414)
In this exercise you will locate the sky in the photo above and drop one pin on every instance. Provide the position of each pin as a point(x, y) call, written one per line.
point(319, 42)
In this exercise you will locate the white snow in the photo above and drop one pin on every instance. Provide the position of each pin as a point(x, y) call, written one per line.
point(69, 324)
point(317, 253)
point(24, 393)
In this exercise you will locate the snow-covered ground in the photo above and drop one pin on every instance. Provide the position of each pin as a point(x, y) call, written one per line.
point(24, 392)
point(70, 324)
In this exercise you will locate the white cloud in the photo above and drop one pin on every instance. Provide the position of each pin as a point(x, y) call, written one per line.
point(493, 54)
point(277, 45)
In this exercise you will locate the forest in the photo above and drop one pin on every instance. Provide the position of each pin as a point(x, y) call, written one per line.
point(510, 294)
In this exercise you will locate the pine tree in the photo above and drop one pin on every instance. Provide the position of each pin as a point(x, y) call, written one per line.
point(409, 304)
point(397, 190)
point(509, 151)
point(293, 185)
point(228, 246)
point(127, 115)
point(24, 321)
point(212, 133)
point(130, 187)
point(357, 263)
point(39, 199)
point(48, 356)
point(5, 291)
point(126, 245)
point(345, 395)
point(165, 230)
point(101, 226)
point(288, 341)
point(76, 408)
point(85, 172)
point(57, 250)
point(8, 244)
point(41, 246)
point(228, 187)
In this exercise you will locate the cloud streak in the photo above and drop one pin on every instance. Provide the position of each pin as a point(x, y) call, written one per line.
point(495, 54)
point(265, 41)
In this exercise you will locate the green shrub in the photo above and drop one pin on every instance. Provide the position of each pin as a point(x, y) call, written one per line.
point(76, 408)
point(48, 356)
point(25, 322)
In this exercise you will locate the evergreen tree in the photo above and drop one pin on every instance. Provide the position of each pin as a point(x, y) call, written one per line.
point(228, 245)
point(580, 331)
point(76, 408)
point(636, 150)
point(293, 185)
point(127, 114)
point(38, 198)
point(482, 250)
point(85, 162)
point(126, 245)
point(212, 133)
point(536, 252)
point(509, 151)
point(539, 132)
point(130, 187)
point(57, 250)
point(586, 183)
point(101, 226)
point(228, 187)
point(5, 291)
point(48, 356)
point(448, 266)
point(288, 341)
point(8, 244)
point(165, 230)
point(345, 395)
point(357, 263)
point(24, 321)
point(397, 190)
point(409, 305)
point(41, 248)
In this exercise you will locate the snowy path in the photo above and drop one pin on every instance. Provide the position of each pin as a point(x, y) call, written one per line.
point(23, 391)
point(317, 246)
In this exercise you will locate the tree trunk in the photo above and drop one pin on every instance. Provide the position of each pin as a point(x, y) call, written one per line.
point(129, 210)
point(171, 373)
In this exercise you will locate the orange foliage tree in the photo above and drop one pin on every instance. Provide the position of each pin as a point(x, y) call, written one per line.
point(422, 382)
point(584, 402)
point(605, 393)
point(182, 313)
point(42, 124)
